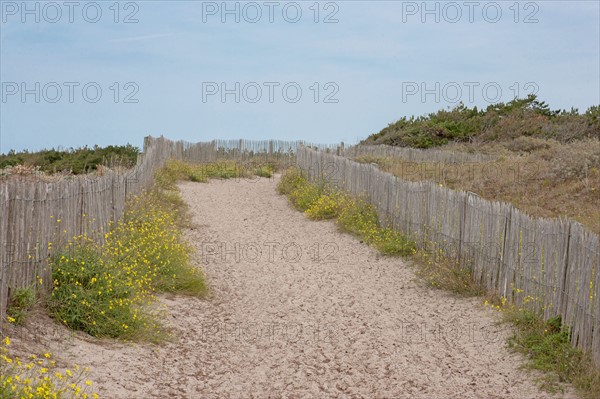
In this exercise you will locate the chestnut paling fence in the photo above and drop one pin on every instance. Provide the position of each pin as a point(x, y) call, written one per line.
point(407, 154)
point(37, 215)
point(551, 266)
point(548, 265)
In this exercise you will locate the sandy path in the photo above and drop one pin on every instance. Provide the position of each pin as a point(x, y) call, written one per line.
point(291, 321)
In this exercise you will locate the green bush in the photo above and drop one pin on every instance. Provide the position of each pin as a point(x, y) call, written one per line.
point(265, 171)
point(106, 290)
point(301, 193)
point(443, 271)
point(224, 170)
point(353, 215)
point(290, 181)
point(498, 122)
point(358, 217)
point(392, 242)
point(547, 344)
point(327, 206)
point(93, 295)
point(78, 160)
point(304, 196)
point(176, 170)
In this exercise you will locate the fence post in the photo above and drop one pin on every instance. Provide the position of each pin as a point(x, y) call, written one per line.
point(81, 209)
point(7, 253)
point(562, 288)
point(461, 226)
point(114, 202)
point(13, 237)
point(503, 254)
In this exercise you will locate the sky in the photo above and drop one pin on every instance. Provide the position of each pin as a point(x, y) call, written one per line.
point(106, 72)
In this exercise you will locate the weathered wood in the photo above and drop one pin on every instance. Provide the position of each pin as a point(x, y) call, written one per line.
point(37, 217)
point(408, 154)
point(549, 266)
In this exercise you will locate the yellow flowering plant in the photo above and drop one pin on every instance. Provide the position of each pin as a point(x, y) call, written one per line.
point(40, 377)
point(106, 289)
point(353, 215)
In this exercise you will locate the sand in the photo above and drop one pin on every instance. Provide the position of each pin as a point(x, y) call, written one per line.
point(299, 310)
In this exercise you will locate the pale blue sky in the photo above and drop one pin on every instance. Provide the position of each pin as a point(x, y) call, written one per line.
point(374, 53)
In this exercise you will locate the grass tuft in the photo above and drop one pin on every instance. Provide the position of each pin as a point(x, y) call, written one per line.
point(177, 170)
point(108, 289)
point(327, 206)
point(446, 273)
point(291, 180)
point(20, 303)
point(266, 171)
point(352, 215)
point(547, 345)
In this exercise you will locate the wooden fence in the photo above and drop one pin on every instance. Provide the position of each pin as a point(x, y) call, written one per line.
point(551, 266)
point(37, 216)
point(243, 150)
point(408, 154)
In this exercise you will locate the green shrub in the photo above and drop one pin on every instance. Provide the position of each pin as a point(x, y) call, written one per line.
point(106, 290)
point(301, 193)
point(265, 171)
point(93, 295)
point(290, 181)
point(197, 177)
point(327, 206)
point(392, 242)
point(526, 117)
point(176, 170)
point(224, 170)
point(443, 271)
point(358, 217)
point(304, 196)
point(173, 170)
point(78, 160)
point(354, 215)
point(547, 345)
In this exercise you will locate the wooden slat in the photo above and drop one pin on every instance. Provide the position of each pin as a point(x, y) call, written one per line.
point(550, 266)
